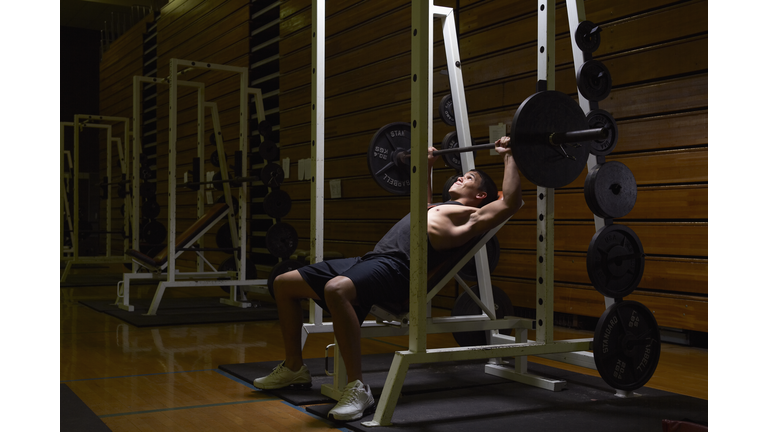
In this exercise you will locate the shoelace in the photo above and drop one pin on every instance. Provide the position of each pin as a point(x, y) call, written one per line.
point(347, 395)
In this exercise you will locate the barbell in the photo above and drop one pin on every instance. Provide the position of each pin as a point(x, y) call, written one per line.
point(550, 141)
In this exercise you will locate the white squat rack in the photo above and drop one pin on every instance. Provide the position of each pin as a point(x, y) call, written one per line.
point(172, 277)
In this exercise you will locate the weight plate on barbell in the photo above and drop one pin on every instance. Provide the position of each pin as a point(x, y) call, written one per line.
point(282, 267)
point(465, 305)
point(594, 80)
point(587, 36)
point(282, 239)
point(277, 204)
point(269, 151)
point(453, 160)
point(391, 174)
point(447, 187)
point(627, 345)
point(446, 110)
point(272, 175)
point(610, 190)
point(615, 261)
point(535, 120)
point(599, 118)
point(493, 249)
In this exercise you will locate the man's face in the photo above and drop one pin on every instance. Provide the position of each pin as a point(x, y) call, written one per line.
point(467, 185)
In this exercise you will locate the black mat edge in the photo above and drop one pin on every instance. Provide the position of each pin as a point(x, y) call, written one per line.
point(75, 416)
point(184, 311)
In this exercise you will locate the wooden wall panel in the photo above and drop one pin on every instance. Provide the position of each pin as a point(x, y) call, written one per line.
point(656, 52)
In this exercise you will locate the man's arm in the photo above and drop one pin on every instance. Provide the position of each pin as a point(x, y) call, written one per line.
point(430, 164)
point(498, 211)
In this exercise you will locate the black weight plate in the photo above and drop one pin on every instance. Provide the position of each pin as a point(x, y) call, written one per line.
point(265, 129)
point(282, 239)
point(453, 160)
point(615, 261)
point(277, 204)
point(610, 190)
point(269, 151)
point(587, 36)
point(150, 209)
point(217, 177)
point(282, 267)
point(469, 271)
point(390, 174)
point(466, 306)
point(627, 345)
point(224, 237)
point(216, 160)
point(599, 118)
point(447, 187)
point(272, 175)
point(536, 119)
point(154, 232)
point(230, 265)
point(594, 80)
point(446, 110)
point(235, 202)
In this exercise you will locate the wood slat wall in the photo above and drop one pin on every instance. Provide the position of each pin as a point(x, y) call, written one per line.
point(656, 51)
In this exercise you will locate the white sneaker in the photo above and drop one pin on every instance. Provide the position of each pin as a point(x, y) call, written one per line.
point(355, 400)
point(281, 377)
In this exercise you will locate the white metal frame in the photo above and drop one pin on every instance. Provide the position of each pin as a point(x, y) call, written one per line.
point(173, 277)
point(72, 255)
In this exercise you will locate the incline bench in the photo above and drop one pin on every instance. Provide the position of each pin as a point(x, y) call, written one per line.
point(184, 240)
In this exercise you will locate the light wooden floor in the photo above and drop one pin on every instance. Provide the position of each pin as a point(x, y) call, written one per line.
point(167, 378)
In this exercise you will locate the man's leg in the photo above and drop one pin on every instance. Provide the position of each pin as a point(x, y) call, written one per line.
point(290, 288)
point(340, 294)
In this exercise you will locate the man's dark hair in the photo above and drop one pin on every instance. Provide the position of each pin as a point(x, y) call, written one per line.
point(488, 186)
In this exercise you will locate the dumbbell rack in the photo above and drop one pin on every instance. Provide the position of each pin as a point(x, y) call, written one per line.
point(173, 278)
point(72, 256)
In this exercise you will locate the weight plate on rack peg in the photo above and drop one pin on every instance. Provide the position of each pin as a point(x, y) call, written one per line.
point(601, 118)
point(627, 345)
point(446, 110)
point(282, 239)
point(610, 190)
point(587, 36)
point(391, 173)
point(453, 160)
point(269, 151)
point(272, 175)
point(615, 261)
point(277, 204)
point(594, 80)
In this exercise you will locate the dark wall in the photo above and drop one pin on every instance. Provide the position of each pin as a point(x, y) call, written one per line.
point(79, 72)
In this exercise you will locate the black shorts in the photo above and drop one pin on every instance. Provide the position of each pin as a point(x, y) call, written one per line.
point(377, 278)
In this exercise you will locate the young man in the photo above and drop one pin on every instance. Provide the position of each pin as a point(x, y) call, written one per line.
point(348, 287)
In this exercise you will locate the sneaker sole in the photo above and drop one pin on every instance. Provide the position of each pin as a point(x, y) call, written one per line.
point(303, 386)
point(371, 409)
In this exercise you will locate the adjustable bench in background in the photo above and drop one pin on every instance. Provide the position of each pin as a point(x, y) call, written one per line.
point(157, 264)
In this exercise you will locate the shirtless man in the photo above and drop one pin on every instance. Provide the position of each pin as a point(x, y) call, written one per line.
point(348, 287)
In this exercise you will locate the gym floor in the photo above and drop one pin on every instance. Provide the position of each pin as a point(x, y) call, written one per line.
point(167, 378)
